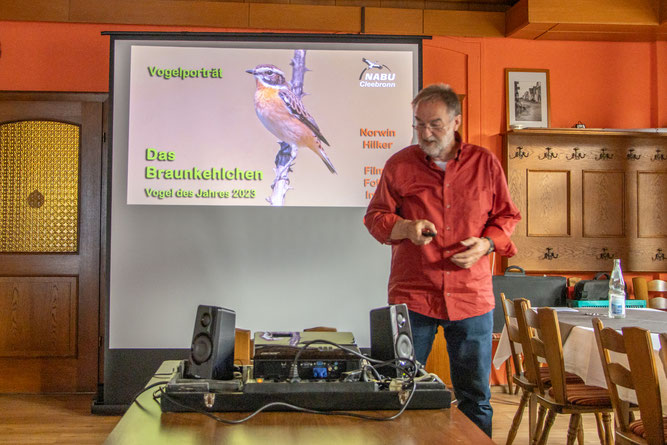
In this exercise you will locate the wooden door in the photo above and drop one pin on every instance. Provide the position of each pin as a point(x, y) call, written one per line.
point(50, 183)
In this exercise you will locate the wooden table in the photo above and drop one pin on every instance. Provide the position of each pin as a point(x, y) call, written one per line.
point(580, 353)
point(150, 426)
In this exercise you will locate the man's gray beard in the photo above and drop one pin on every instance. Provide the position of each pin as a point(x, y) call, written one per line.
point(433, 150)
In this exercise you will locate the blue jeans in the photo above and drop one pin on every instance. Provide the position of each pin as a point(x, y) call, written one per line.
point(469, 349)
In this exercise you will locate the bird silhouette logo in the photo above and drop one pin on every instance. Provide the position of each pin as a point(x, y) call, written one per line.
point(372, 66)
point(283, 114)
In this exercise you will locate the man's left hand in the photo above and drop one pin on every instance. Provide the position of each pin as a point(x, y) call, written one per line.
point(476, 249)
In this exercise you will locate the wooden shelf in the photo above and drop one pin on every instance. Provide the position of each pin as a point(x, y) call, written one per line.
point(649, 132)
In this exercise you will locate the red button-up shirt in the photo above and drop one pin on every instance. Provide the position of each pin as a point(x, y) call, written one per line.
point(469, 198)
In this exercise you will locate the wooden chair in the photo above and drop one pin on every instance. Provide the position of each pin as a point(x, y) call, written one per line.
point(544, 342)
point(536, 374)
point(510, 364)
point(616, 374)
point(657, 294)
point(519, 379)
point(640, 289)
point(652, 427)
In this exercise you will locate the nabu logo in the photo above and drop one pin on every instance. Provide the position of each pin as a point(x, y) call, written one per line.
point(373, 75)
point(373, 66)
point(380, 76)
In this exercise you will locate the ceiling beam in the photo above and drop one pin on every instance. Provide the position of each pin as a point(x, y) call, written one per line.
point(621, 20)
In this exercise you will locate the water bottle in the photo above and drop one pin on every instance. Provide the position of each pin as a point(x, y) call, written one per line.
point(617, 292)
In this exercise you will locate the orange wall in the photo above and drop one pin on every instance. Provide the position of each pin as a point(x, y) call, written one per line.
point(603, 84)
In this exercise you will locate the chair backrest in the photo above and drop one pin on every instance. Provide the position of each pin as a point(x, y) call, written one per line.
point(552, 351)
point(657, 286)
point(657, 303)
point(511, 325)
point(527, 323)
point(657, 294)
point(645, 378)
point(663, 351)
point(639, 288)
point(615, 373)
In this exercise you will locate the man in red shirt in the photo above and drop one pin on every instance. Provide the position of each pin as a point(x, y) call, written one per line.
point(444, 206)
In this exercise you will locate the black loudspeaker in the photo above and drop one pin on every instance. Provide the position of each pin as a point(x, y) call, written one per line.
point(391, 337)
point(212, 350)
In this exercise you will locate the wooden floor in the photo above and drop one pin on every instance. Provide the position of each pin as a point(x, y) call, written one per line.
point(61, 419)
point(32, 419)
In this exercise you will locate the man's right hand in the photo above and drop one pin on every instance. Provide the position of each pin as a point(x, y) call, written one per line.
point(414, 230)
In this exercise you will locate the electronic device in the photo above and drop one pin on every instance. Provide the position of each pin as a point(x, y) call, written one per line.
point(391, 337)
point(314, 363)
point(183, 395)
point(275, 354)
point(212, 349)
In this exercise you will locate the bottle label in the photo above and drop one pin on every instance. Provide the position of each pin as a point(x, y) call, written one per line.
point(616, 308)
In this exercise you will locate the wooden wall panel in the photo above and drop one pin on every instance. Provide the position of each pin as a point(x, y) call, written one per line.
point(38, 316)
point(603, 203)
point(548, 203)
point(595, 20)
point(626, 20)
point(616, 199)
point(400, 4)
point(636, 12)
point(464, 23)
point(35, 10)
point(593, 36)
point(160, 12)
point(306, 18)
point(651, 204)
point(389, 20)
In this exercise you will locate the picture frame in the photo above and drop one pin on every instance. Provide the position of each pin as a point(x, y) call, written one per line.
point(527, 98)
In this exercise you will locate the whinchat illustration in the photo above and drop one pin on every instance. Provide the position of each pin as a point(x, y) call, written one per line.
point(283, 114)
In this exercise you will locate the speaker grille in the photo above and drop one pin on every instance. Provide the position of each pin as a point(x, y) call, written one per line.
point(201, 349)
point(404, 346)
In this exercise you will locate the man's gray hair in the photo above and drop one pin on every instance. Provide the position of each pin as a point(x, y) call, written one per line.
point(442, 93)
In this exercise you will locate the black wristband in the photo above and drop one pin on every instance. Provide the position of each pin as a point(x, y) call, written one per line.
point(492, 246)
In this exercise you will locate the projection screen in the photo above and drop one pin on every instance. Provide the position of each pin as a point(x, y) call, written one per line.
point(216, 197)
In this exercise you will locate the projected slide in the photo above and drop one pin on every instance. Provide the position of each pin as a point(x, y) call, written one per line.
point(264, 127)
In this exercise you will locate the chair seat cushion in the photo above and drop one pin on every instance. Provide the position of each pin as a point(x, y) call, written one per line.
point(545, 377)
point(569, 377)
point(584, 395)
point(637, 427)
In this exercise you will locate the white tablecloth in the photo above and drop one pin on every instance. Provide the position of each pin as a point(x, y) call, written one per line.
point(582, 358)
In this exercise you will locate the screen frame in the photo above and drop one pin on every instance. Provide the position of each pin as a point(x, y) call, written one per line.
point(127, 370)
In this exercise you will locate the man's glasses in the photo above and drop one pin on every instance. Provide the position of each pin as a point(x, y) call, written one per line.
point(434, 128)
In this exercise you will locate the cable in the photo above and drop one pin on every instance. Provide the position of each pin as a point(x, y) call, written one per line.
point(294, 369)
point(411, 383)
point(144, 389)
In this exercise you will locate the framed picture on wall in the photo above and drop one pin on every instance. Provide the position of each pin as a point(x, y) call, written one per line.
point(527, 98)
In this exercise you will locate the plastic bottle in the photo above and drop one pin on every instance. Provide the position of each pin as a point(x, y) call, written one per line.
point(616, 292)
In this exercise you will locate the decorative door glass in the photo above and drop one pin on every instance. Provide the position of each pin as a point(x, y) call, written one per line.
point(39, 187)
